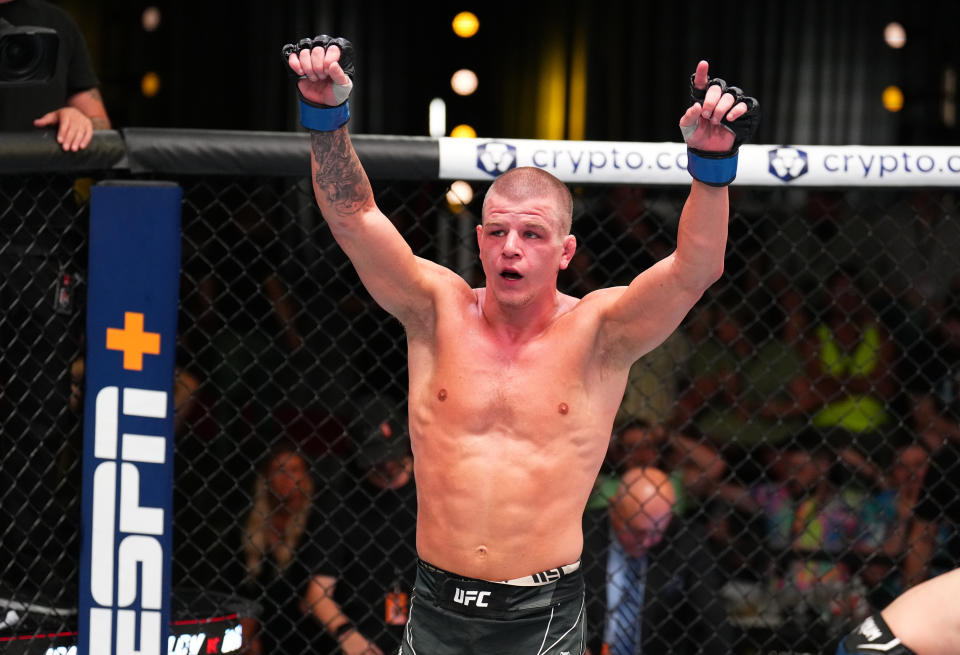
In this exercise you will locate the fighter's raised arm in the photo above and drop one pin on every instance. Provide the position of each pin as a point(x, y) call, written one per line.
point(397, 280)
point(717, 122)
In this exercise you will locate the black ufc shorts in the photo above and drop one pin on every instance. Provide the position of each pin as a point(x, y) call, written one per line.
point(453, 615)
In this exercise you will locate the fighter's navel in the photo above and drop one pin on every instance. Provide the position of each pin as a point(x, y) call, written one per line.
point(442, 395)
point(563, 408)
point(482, 552)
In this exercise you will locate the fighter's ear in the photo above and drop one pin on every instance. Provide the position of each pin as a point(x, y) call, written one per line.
point(569, 249)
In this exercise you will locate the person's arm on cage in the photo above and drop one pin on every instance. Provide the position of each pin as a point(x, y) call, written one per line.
point(319, 601)
point(77, 120)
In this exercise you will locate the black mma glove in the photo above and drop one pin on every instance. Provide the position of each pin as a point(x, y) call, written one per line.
point(720, 168)
point(872, 636)
point(325, 118)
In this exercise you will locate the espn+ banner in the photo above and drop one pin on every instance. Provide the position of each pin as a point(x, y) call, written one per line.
point(124, 600)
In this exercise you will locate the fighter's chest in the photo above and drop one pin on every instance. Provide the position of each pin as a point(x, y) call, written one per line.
point(489, 380)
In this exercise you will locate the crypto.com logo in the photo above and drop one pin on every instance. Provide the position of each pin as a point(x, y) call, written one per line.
point(788, 163)
point(494, 158)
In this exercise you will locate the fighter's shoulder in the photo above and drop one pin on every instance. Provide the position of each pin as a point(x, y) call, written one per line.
point(603, 295)
point(596, 302)
point(434, 291)
point(587, 313)
point(443, 280)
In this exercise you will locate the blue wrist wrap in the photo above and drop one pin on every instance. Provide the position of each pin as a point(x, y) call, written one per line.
point(323, 119)
point(719, 171)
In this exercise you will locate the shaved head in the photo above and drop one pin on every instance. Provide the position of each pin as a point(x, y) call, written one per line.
point(530, 181)
point(641, 509)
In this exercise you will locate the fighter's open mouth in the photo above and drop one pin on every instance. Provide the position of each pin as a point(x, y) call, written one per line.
point(510, 275)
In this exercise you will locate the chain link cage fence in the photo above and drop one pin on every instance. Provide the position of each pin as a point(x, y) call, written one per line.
point(801, 424)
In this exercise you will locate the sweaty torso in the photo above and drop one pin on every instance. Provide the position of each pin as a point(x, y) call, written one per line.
point(508, 437)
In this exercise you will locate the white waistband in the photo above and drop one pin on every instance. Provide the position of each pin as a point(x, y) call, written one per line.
point(544, 577)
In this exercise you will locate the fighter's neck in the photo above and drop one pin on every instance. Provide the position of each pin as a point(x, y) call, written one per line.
point(520, 323)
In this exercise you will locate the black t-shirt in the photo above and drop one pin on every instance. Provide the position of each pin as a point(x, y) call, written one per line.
point(21, 105)
point(683, 610)
point(285, 627)
point(376, 556)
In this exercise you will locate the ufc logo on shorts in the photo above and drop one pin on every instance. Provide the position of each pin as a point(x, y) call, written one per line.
point(471, 596)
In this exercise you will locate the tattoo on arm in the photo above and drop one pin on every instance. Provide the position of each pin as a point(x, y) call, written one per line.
point(339, 176)
point(95, 112)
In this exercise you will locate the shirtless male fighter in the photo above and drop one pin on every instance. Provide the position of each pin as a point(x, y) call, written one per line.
point(513, 386)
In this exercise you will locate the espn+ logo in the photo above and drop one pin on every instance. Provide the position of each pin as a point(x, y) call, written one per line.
point(126, 554)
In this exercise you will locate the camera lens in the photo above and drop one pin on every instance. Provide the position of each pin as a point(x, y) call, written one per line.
point(20, 54)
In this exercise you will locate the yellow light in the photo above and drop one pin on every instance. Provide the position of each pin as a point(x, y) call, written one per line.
point(465, 24)
point(459, 195)
point(577, 91)
point(464, 82)
point(892, 98)
point(552, 90)
point(463, 132)
point(150, 84)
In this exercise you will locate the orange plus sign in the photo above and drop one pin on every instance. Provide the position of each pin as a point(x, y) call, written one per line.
point(133, 341)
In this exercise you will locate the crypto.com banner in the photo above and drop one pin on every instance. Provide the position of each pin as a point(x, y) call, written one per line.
point(124, 600)
point(612, 162)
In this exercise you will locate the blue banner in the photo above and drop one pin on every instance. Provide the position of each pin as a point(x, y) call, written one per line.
point(124, 600)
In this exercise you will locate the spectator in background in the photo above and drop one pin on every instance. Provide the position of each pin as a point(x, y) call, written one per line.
point(935, 399)
point(245, 339)
point(934, 378)
point(739, 368)
point(848, 382)
point(886, 518)
point(694, 467)
point(654, 381)
point(71, 100)
point(283, 547)
point(719, 348)
point(652, 581)
point(811, 524)
point(362, 593)
point(40, 323)
point(936, 521)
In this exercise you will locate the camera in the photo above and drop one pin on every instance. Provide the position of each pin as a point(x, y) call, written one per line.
point(28, 54)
